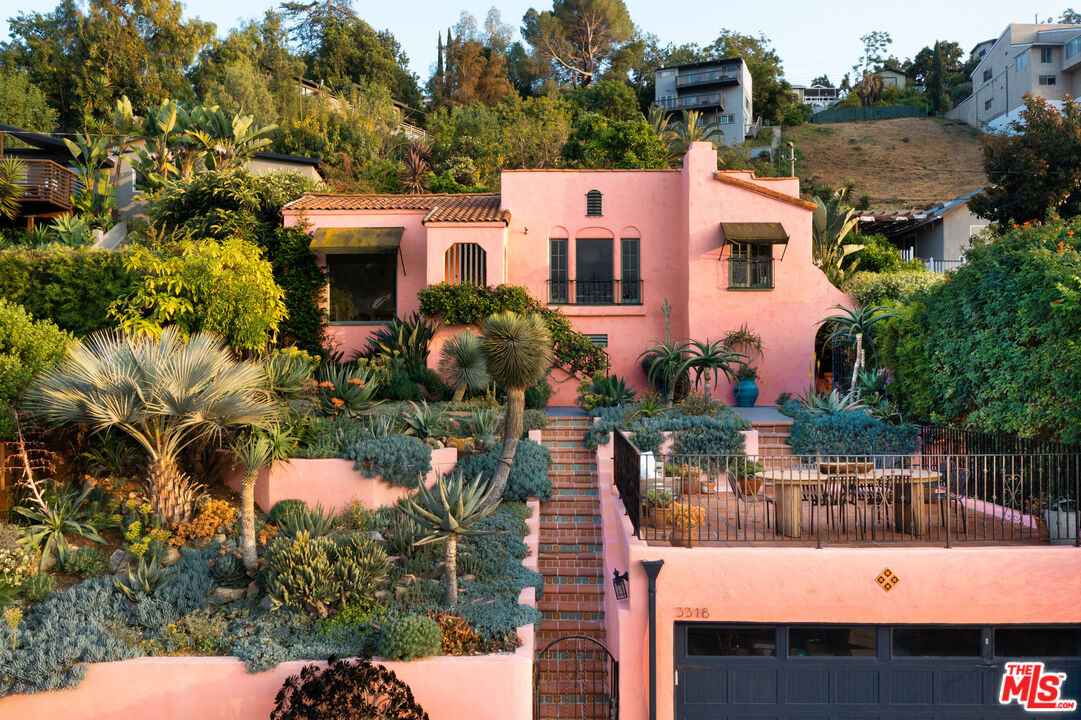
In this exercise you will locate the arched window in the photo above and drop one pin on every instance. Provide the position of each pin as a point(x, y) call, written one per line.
point(593, 203)
point(466, 263)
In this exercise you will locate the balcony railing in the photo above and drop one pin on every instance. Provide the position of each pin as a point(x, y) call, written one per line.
point(691, 102)
point(707, 77)
point(47, 182)
point(750, 273)
point(928, 498)
point(594, 292)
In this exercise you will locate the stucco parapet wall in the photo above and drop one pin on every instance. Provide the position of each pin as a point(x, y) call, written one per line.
point(753, 186)
point(480, 687)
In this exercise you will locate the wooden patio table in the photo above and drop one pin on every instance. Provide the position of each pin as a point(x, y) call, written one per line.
point(909, 513)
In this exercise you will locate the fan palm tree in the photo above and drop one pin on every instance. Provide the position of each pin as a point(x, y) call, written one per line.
point(857, 325)
point(164, 393)
point(12, 177)
point(256, 450)
point(832, 223)
point(461, 360)
point(450, 510)
point(518, 352)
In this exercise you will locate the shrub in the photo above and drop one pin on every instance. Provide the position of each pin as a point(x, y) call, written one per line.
point(211, 518)
point(72, 288)
point(17, 564)
point(708, 435)
point(722, 438)
point(27, 346)
point(533, 419)
point(879, 255)
point(528, 475)
point(320, 573)
point(850, 432)
point(84, 561)
point(882, 288)
point(410, 637)
point(470, 305)
point(282, 508)
point(604, 391)
point(399, 459)
point(538, 395)
point(407, 338)
point(346, 689)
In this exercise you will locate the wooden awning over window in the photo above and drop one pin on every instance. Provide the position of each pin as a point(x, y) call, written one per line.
point(759, 233)
point(357, 241)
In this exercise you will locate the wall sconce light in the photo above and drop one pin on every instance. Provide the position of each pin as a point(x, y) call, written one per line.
point(619, 582)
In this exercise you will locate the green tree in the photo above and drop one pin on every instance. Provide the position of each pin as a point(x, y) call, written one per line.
point(875, 45)
point(613, 99)
point(772, 95)
point(577, 38)
point(1070, 16)
point(254, 450)
point(596, 142)
point(223, 287)
point(1033, 171)
point(23, 104)
point(950, 55)
point(164, 393)
point(944, 61)
point(518, 353)
point(823, 80)
point(80, 57)
point(27, 346)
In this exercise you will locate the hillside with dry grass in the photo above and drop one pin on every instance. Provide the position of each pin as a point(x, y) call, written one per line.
point(901, 163)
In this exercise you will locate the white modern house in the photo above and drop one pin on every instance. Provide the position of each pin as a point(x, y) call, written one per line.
point(1026, 58)
point(819, 97)
point(719, 89)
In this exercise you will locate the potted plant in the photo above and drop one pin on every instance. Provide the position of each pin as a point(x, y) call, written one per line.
point(686, 474)
point(747, 474)
point(1061, 517)
point(658, 509)
point(685, 519)
point(747, 343)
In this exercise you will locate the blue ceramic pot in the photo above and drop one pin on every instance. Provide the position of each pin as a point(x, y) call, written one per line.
point(746, 392)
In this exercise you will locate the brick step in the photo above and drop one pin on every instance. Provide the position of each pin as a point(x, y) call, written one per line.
point(572, 473)
point(575, 549)
point(574, 451)
point(550, 709)
point(560, 627)
point(570, 678)
point(574, 492)
point(569, 518)
point(568, 566)
point(559, 512)
point(571, 607)
point(549, 635)
point(584, 586)
point(568, 540)
point(557, 527)
point(571, 445)
point(572, 505)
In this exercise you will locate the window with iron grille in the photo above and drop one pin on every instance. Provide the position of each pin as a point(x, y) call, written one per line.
point(593, 203)
point(557, 271)
point(750, 266)
point(466, 264)
point(630, 263)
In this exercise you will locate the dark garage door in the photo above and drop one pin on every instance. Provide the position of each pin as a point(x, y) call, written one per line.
point(789, 672)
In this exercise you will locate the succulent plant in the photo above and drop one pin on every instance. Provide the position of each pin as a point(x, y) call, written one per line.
point(143, 580)
point(314, 521)
point(410, 637)
point(228, 571)
point(423, 421)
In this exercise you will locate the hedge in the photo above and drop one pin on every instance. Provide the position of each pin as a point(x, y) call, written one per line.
point(885, 288)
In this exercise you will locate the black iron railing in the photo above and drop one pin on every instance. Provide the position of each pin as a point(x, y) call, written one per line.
point(595, 292)
point(750, 273)
point(955, 441)
point(626, 468)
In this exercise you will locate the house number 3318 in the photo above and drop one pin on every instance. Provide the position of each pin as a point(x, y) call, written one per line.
point(692, 612)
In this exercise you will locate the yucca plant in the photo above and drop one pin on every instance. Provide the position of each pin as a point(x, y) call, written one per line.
point(48, 525)
point(484, 424)
point(256, 450)
point(450, 510)
point(517, 352)
point(461, 361)
point(165, 393)
point(423, 421)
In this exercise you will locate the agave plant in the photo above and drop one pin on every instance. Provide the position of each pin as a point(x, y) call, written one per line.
point(48, 525)
point(834, 402)
point(287, 371)
point(611, 390)
point(165, 393)
point(347, 388)
point(484, 424)
point(71, 231)
point(407, 338)
point(423, 421)
point(461, 361)
point(517, 352)
point(144, 580)
point(256, 450)
point(449, 510)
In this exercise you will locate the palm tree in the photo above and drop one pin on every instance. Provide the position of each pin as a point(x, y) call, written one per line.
point(832, 223)
point(518, 352)
point(707, 357)
point(164, 393)
point(12, 177)
point(461, 360)
point(256, 450)
point(857, 326)
point(661, 124)
point(450, 510)
point(694, 128)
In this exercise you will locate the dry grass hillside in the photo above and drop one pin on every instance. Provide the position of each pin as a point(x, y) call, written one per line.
point(902, 163)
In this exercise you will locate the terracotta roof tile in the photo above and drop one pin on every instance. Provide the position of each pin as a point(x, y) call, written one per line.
point(748, 185)
point(441, 208)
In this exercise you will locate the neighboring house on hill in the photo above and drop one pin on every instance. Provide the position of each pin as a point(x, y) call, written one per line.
point(49, 182)
point(892, 78)
point(719, 89)
point(939, 235)
point(1025, 58)
point(608, 247)
point(817, 96)
point(333, 95)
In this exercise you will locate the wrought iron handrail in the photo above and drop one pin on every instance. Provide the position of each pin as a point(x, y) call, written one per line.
point(595, 292)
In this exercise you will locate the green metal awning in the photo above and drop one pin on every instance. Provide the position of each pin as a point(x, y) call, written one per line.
point(761, 233)
point(357, 241)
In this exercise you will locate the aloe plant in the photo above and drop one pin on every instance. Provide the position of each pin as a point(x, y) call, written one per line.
point(449, 510)
point(48, 525)
point(423, 421)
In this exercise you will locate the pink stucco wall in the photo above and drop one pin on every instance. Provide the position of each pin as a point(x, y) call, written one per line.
point(677, 215)
point(970, 585)
point(330, 482)
point(485, 687)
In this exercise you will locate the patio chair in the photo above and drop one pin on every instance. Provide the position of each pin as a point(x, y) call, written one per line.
point(840, 491)
point(950, 488)
point(759, 498)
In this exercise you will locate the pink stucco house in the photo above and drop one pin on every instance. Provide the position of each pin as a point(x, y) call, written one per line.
point(606, 246)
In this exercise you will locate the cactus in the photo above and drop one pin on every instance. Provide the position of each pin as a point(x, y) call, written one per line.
point(409, 637)
point(450, 510)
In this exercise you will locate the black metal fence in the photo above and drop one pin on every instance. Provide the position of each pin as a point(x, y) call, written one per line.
point(958, 441)
point(595, 292)
point(626, 469)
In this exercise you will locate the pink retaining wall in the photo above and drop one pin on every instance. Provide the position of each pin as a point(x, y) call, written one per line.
point(485, 687)
point(330, 482)
point(975, 585)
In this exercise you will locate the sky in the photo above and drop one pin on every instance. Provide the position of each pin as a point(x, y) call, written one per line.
point(812, 38)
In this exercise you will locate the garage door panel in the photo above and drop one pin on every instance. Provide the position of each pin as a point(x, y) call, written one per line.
point(751, 687)
point(704, 687)
point(959, 687)
point(855, 687)
point(912, 687)
point(808, 687)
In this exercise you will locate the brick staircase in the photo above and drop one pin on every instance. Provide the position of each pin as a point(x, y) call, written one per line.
point(570, 558)
point(772, 437)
